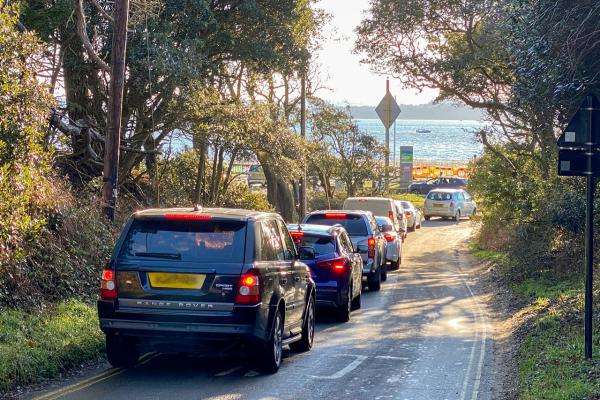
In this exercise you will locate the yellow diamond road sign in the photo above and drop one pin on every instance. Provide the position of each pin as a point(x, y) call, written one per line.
point(388, 110)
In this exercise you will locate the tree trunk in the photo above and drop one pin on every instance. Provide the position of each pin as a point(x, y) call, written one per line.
point(201, 172)
point(218, 177)
point(279, 193)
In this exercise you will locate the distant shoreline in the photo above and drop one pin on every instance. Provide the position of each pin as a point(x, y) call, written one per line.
point(428, 112)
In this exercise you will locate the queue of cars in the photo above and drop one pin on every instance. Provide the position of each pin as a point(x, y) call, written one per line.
point(192, 279)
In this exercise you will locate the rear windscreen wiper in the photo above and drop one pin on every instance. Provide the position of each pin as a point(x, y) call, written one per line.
point(170, 256)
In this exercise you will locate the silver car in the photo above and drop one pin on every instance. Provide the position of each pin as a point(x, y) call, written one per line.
point(449, 203)
point(393, 251)
point(412, 214)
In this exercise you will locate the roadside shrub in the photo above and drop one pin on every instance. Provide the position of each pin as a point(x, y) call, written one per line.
point(63, 257)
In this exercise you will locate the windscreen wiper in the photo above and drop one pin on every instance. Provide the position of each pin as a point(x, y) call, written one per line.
point(170, 256)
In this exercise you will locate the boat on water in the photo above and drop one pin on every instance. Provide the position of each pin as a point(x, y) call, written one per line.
point(421, 130)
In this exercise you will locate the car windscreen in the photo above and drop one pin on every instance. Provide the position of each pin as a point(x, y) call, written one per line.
point(355, 225)
point(439, 196)
point(195, 241)
point(321, 244)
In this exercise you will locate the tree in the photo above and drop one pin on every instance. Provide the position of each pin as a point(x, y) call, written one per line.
point(23, 160)
point(169, 48)
point(358, 155)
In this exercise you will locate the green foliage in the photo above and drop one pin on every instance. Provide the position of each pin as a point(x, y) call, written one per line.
point(38, 346)
point(177, 181)
point(356, 155)
point(552, 364)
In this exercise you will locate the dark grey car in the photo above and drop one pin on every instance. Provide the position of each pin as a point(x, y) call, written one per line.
point(186, 279)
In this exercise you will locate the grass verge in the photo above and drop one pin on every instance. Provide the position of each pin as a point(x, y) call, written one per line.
point(417, 199)
point(34, 347)
point(551, 361)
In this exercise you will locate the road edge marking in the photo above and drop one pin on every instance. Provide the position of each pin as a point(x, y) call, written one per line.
point(109, 373)
point(348, 368)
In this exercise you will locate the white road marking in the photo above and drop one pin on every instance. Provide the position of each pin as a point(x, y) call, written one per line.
point(348, 368)
point(463, 392)
point(229, 371)
point(482, 323)
point(392, 358)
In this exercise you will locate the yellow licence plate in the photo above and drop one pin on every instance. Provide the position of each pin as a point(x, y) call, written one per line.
point(438, 205)
point(176, 281)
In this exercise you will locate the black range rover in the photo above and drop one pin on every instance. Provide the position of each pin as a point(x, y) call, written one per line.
point(181, 280)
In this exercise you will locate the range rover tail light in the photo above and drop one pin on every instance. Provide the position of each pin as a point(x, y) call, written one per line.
point(108, 285)
point(248, 289)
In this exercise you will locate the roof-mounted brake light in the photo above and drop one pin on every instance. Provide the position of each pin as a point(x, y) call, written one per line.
point(188, 217)
point(336, 215)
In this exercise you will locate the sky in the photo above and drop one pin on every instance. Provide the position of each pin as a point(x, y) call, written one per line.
point(349, 80)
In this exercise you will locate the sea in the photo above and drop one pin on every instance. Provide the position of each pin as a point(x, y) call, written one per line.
point(451, 141)
point(445, 141)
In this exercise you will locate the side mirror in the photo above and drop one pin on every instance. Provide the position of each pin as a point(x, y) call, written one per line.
point(306, 253)
point(362, 248)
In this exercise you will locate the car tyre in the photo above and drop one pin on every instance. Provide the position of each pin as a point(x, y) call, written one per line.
point(344, 310)
point(270, 352)
point(374, 282)
point(121, 352)
point(308, 330)
point(457, 216)
point(427, 218)
point(413, 228)
point(383, 269)
point(356, 302)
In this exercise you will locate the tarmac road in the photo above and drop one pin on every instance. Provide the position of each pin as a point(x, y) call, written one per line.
point(423, 336)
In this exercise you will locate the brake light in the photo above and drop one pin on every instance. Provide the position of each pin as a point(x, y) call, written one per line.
point(248, 289)
point(391, 215)
point(188, 217)
point(108, 287)
point(389, 237)
point(336, 264)
point(335, 215)
point(408, 214)
point(297, 236)
point(371, 252)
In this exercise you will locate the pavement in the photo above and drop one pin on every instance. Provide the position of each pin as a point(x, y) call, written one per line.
point(425, 335)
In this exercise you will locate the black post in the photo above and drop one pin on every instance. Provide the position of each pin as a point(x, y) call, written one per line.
point(589, 231)
point(303, 183)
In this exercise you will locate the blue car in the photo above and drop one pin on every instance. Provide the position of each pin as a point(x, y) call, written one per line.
point(335, 267)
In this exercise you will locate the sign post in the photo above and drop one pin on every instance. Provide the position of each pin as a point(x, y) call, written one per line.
point(387, 110)
point(579, 155)
point(406, 166)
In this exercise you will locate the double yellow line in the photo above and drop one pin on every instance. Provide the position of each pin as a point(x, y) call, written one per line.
point(109, 373)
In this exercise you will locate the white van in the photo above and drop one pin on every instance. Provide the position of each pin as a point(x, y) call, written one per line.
point(380, 207)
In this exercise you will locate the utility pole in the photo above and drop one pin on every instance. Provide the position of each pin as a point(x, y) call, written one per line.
point(394, 152)
point(387, 136)
point(115, 108)
point(303, 205)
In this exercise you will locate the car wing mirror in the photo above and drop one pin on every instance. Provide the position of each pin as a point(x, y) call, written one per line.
point(306, 253)
point(362, 248)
